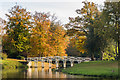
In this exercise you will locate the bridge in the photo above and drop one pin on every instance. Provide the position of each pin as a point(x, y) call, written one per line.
point(57, 60)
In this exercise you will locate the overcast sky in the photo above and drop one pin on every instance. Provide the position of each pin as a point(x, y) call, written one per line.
point(62, 8)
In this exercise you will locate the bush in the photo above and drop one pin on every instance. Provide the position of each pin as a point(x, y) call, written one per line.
point(10, 64)
point(3, 56)
point(20, 57)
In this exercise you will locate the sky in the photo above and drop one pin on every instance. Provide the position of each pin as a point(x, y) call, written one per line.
point(62, 8)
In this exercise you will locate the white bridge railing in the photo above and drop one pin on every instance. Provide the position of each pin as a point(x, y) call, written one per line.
point(56, 59)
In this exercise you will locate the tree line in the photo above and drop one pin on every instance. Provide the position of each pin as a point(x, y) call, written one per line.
point(95, 33)
point(28, 35)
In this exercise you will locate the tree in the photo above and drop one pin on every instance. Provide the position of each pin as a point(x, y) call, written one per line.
point(59, 41)
point(75, 47)
point(40, 35)
point(86, 25)
point(111, 15)
point(18, 30)
point(110, 50)
point(47, 36)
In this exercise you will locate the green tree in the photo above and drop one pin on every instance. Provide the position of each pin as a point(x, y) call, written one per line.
point(87, 25)
point(18, 30)
point(111, 14)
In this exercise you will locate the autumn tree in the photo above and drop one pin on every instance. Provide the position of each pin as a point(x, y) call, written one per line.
point(18, 30)
point(75, 48)
point(47, 36)
point(58, 41)
point(87, 23)
point(40, 35)
point(77, 33)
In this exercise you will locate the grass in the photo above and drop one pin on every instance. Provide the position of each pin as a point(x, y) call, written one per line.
point(94, 68)
point(11, 64)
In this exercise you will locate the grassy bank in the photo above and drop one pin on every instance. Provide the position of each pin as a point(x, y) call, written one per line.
point(11, 64)
point(94, 68)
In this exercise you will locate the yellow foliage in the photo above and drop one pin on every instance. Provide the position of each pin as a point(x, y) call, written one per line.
point(24, 38)
point(13, 17)
point(24, 26)
point(21, 23)
point(48, 22)
point(17, 14)
point(28, 17)
point(82, 37)
point(93, 4)
point(92, 18)
point(27, 27)
point(24, 18)
point(19, 17)
point(38, 23)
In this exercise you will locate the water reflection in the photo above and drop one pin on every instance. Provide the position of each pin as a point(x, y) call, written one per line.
point(50, 73)
point(29, 72)
point(44, 73)
point(39, 73)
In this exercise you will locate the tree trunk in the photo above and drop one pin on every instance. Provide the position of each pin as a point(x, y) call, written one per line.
point(101, 56)
point(92, 57)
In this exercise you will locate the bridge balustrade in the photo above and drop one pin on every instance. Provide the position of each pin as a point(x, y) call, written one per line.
point(56, 59)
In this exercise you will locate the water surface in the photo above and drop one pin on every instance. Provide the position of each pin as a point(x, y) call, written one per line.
point(43, 73)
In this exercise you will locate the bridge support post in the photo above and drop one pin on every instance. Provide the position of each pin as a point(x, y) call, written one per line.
point(64, 63)
point(79, 61)
point(57, 63)
point(35, 64)
point(42, 64)
point(72, 63)
point(57, 58)
point(43, 59)
point(50, 63)
point(29, 64)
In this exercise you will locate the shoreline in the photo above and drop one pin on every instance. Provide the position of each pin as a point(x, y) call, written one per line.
point(79, 69)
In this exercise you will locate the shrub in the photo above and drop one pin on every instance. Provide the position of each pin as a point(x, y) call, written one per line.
point(10, 64)
point(20, 57)
point(3, 56)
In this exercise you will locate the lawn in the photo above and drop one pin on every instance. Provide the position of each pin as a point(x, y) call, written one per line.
point(94, 68)
point(11, 64)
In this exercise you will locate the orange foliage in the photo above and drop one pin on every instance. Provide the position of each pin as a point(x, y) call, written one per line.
point(48, 40)
point(17, 23)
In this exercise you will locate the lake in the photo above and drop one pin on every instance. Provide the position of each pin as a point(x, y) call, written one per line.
point(42, 73)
